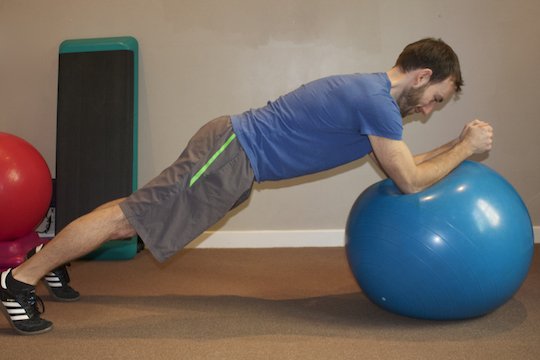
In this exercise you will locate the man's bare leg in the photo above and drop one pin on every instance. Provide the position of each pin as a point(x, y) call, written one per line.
point(80, 237)
point(19, 304)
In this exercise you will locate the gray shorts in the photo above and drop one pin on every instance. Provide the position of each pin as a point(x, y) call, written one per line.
point(212, 176)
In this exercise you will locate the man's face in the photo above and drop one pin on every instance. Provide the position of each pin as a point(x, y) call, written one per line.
point(423, 98)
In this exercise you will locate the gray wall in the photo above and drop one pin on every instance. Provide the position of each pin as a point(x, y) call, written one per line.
point(203, 58)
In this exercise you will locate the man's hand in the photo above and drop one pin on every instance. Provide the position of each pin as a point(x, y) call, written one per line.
point(478, 135)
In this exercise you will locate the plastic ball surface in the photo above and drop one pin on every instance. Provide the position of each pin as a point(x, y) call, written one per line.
point(25, 187)
point(459, 249)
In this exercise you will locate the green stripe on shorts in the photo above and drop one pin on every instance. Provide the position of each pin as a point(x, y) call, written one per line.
point(207, 165)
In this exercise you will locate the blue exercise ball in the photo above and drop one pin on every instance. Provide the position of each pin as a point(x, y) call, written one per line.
point(457, 250)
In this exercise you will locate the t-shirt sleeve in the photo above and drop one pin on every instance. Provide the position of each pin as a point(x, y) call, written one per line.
point(379, 119)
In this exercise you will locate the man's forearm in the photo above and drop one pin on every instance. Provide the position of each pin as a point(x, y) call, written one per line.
point(413, 174)
point(418, 159)
point(432, 169)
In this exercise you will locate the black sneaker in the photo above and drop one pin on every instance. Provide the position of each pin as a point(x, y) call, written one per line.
point(57, 281)
point(22, 310)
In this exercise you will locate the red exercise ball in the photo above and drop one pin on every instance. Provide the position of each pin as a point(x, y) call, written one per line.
point(25, 187)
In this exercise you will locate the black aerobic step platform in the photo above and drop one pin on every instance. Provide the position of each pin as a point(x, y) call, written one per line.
point(96, 146)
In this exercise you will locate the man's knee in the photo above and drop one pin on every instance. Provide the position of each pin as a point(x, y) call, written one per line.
point(123, 228)
point(109, 204)
point(110, 221)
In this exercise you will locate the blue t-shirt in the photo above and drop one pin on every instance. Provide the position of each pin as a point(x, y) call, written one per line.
point(318, 126)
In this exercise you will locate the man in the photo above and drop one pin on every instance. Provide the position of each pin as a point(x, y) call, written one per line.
point(321, 125)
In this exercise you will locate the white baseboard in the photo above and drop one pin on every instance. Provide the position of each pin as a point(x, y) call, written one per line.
point(270, 239)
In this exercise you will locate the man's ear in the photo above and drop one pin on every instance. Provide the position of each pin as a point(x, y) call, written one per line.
point(422, 77)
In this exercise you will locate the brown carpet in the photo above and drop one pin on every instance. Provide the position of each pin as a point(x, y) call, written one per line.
point(258, 304)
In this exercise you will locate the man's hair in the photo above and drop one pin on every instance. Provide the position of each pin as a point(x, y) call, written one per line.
point(432, 54)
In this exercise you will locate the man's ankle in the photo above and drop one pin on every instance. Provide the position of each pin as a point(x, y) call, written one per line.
point(16, 285)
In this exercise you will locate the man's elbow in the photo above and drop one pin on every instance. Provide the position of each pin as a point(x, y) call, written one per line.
point(408, 188)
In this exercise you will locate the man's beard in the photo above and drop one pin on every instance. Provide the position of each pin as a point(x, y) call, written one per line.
point(409, 99)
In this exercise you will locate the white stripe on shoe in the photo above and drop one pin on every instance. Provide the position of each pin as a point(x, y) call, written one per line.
point(15, 311)
point(53, 280)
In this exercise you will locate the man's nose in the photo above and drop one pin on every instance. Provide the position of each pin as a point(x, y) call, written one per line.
point(427, 109)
